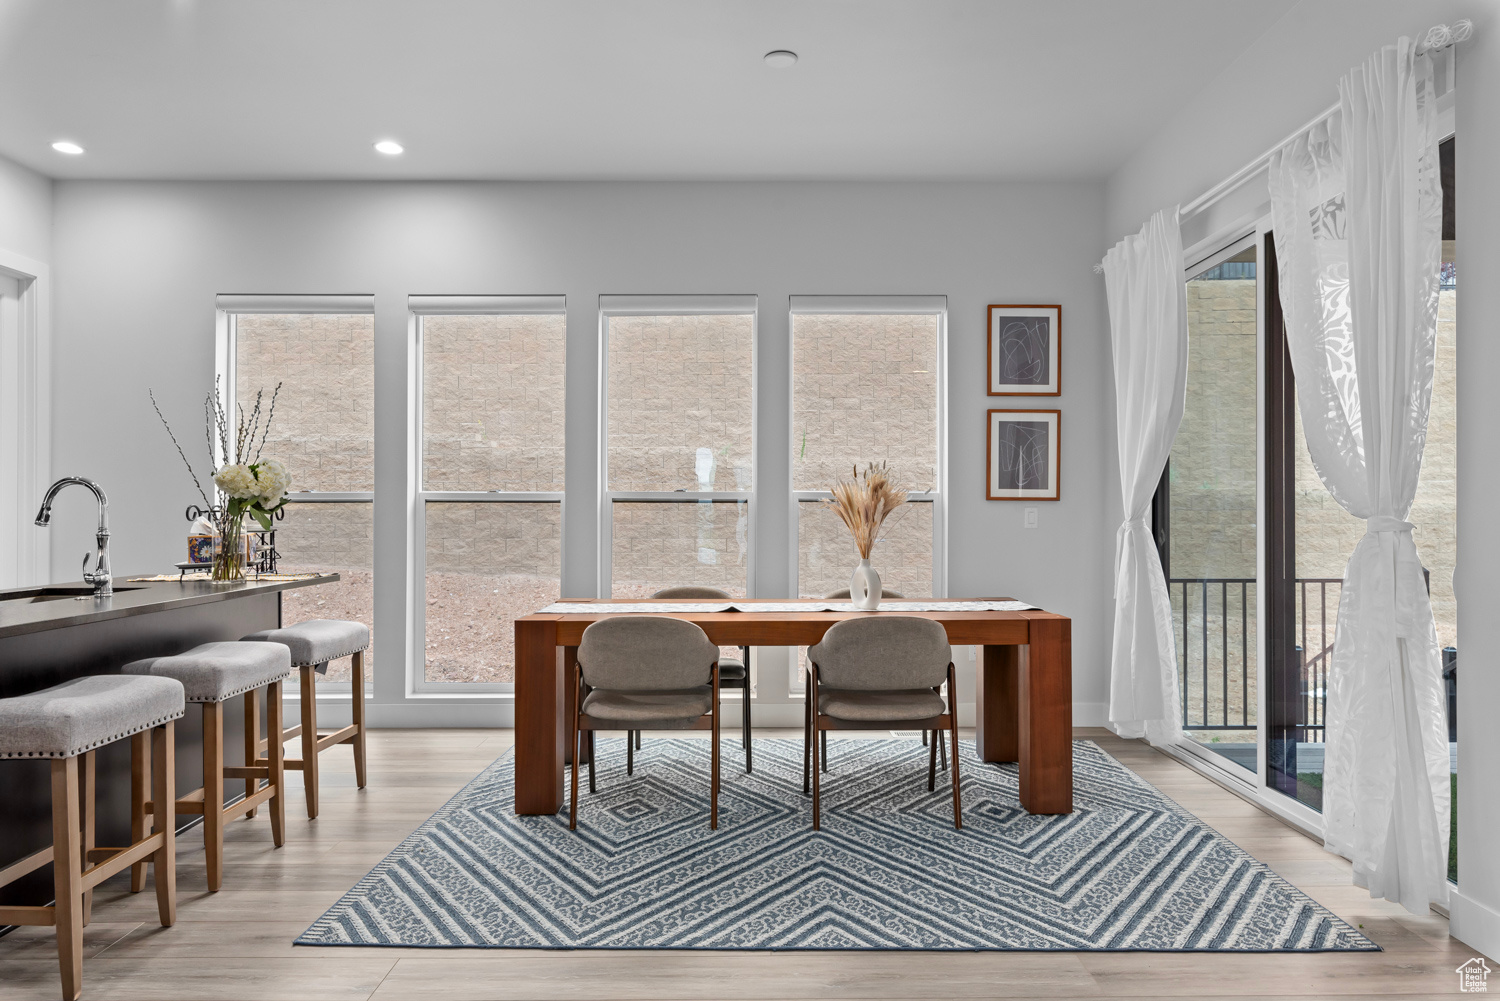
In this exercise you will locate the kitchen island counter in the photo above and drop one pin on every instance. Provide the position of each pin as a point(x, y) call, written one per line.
point(35, 609)
point(49, 636)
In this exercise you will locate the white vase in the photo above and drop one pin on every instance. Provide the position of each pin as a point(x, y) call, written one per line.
point(864, 587)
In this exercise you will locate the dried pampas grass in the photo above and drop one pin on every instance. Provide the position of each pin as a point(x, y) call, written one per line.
point(864, 502)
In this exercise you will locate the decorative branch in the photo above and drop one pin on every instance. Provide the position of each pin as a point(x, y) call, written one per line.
point(270, 414)
point(185, 462)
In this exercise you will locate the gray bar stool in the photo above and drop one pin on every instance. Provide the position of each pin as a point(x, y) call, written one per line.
point(66, 723)
point(211, 674)
point(313, 644)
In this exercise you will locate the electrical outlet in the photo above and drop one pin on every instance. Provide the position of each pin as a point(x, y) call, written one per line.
point(1030, 515)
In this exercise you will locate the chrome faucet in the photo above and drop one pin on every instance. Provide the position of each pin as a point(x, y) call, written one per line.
point(100, 576)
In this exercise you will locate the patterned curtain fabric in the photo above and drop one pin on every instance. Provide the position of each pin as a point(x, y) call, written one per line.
point(1357, 210)
point(1148, 333)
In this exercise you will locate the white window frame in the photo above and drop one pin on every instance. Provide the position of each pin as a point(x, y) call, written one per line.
point(419, 307)
point(876, 305)
point(672, 305)
point(1206, 255)
point(227, 308)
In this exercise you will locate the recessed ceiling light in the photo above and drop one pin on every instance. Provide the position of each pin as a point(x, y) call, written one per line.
point(781, 58)
point(63, 146)
point(389, 147)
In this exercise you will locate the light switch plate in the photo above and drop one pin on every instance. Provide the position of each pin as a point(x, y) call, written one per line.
point(1030, 517)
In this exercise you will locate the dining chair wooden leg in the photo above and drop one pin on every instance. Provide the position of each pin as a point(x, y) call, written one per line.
point(213, 793)
point(252, 743)
point(140, 791)
point(807, 737)
point(932, 766)
point(309, 707)
point(629, 752)
point(357, 709)
point(593, 786)
point(713, 790)
point(958, 822)
point(823, 749)
point(815, 744)
point(745, 725)
point(86, 792)
point(638, 740)
point(817, 791)
point(941, 740)
point(575, 739)
point(67, 875)
point(276, 764)
point(164, 810)
point(924, 738)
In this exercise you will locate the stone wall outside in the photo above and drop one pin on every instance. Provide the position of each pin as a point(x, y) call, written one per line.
point(493, 411)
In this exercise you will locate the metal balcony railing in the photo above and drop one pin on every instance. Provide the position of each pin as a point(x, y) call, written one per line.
point(1214, 622)
point(1214, 618)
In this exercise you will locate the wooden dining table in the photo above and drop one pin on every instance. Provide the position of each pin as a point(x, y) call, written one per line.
point(1023, 698)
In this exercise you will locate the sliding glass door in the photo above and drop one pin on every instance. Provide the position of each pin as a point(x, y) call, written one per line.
point(1253, 544)
point(1206, 513)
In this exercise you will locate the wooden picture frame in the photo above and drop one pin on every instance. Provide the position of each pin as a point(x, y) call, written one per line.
point(1023, 455)
point(1024, 357)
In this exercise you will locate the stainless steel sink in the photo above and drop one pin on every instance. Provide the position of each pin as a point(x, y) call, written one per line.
point(58, 593)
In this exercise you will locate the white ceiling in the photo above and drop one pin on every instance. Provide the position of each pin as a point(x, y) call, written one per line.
point(604, 88)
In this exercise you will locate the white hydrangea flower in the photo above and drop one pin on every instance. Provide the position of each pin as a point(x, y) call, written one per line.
point(275, 481)
point(238, 481)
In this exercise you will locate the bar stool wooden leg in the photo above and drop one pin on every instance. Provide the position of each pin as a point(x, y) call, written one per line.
point(357, 709)
point(310, 740)
point(252, 742)
point(164, 859)
point(213, 792)
point(140, 791)
point(87, 787)
point(276, 760)
point(67, 875)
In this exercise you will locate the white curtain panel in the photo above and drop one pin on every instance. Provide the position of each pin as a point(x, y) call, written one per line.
point(1148, 332)
point(1357, 208)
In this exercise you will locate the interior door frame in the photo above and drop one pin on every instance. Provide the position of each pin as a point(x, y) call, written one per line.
point(25, 470)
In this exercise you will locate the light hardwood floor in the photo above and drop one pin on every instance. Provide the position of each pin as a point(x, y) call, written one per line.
point(236, 944)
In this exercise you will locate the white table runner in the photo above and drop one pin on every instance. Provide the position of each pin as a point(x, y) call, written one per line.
point(587, 608)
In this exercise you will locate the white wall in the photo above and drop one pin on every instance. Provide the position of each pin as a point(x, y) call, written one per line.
point(138, 265)
point(1285, 78)
point(25, 212)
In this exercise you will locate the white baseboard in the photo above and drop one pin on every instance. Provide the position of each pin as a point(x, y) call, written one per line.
point(1474, 924)
point(1090, 713)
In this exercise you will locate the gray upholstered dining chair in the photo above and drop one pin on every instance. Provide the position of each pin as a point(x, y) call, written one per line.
point(875, 674)
point(637, 672)
point(732, 673)
point(842, 594)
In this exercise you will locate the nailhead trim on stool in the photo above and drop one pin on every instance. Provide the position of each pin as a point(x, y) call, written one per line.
point(76, 716)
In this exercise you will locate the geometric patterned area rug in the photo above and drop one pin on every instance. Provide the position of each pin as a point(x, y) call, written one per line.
point(1128, 870)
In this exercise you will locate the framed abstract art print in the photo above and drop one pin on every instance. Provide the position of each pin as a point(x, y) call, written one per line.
point(1024, 452)
point(1025, 351)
